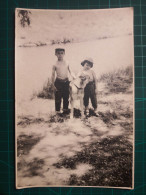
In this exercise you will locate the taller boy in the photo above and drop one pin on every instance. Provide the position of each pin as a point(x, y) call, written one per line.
point(61, 84)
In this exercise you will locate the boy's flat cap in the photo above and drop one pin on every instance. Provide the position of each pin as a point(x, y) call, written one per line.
point(89, 60)
point(59, 49)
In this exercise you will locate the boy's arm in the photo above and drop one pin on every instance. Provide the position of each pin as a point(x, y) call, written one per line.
point(71, 73)
point(53, 75)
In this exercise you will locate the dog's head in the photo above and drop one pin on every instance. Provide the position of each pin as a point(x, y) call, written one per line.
point(84, 80)
point(81, 81)
point(83, 77)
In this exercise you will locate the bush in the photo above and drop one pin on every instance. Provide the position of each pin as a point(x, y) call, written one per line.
point(118, 81)
point(47, 92)
point(64, 41)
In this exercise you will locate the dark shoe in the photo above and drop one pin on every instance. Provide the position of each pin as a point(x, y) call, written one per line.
point(96, 113)
point(66, 112)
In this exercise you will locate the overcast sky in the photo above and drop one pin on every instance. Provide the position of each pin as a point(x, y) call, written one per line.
point(80, 25)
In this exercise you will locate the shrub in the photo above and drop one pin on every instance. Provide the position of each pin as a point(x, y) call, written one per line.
point(47, 91)
point(64, 41)
point(118, 81)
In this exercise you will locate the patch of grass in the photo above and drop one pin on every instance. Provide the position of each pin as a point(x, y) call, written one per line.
point(127, 113)
point(127, 125)
point(108, 116)
point(34, 168)
point(62, 41)
point(27, 120)
point(25, 143)
point(111, 159)
point(47, 91)
point(33, 44)
point(57, 119)
point(39, 43)
point(118, 81)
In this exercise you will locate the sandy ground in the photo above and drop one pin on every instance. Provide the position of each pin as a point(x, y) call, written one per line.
point(56, 150)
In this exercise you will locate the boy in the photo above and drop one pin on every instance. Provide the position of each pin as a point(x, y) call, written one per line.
point(61, 84)
point(90, 90)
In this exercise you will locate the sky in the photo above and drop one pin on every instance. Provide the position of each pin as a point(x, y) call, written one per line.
point(77, 25)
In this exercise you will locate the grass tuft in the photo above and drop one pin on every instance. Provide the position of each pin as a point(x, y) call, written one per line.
point(117, 81)
point(47, 92)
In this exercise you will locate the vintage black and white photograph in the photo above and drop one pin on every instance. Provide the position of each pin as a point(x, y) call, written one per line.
point(74, 98)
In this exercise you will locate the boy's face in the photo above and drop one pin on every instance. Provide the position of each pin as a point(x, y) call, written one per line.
point(60, 55)
point(87, 66)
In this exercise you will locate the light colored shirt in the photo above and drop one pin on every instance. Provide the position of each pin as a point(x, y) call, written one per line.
point(90, 73)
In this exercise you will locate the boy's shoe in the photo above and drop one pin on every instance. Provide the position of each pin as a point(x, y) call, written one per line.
point(58, 113)
point(96, 113)
point(66, 111)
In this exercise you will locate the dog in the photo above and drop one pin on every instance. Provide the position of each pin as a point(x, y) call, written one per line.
point(76, 90)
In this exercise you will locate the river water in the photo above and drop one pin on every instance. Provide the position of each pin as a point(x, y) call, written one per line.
point(34, 64)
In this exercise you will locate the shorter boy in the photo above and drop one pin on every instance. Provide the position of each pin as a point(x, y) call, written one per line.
point(90, 90)
point(61, 84)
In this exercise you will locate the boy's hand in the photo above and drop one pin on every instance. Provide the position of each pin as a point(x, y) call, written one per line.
point(54, 88)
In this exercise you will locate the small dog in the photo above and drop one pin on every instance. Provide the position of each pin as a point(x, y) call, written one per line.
point(76, 90)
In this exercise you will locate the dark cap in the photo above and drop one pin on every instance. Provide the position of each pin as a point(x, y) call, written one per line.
point(59, 49)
